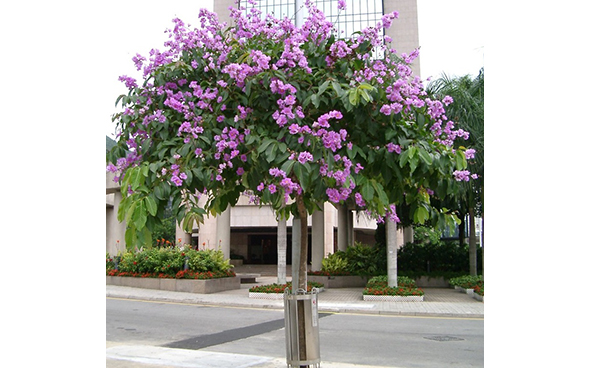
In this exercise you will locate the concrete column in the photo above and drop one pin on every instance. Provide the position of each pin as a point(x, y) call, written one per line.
point(115, 236)
point(296, 238)
point(317, 240)
point(392, 253)
point(408, 235)
point(282, 251)
point(181, 237)
point(223, 232)
point(342, 228)
point(405, 30)
point(350, 229)
point(329, 216)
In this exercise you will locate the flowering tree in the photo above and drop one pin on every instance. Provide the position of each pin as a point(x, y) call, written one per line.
point(292, 116)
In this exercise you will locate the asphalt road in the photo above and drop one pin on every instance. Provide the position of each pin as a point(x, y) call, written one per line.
point(348, 338)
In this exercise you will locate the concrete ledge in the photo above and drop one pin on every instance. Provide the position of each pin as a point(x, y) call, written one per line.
point(340, 281)
point(208, 286)
point(393, 298)
point(248, 278)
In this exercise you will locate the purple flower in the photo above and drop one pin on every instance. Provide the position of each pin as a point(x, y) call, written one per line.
point(260, 187)
point(359, 200)
point(176, 180)
point(463, 175)
point(342, 5)
point(305, 157)
point(272, 188)
point(240, 171)
point(333, 195)
point(391, 147)
point(470, 153)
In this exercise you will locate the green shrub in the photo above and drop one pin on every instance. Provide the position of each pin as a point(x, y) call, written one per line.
point(363, 259)
point(382, 280)
point(110, 262)
point(208, 260)
point(170, 261)
point(467, 281)
point(335, 263)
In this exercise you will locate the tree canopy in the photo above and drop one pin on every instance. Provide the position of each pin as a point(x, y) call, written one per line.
point(294, 117)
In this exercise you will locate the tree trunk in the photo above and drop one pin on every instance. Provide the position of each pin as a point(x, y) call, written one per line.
point(392, 253)
point(472, 243)
point(461, 230)
point(482, 241)
point(302, 277)
point(303, 265)
point(282, 251)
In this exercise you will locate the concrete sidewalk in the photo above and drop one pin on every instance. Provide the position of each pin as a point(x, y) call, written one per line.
point(437, 302)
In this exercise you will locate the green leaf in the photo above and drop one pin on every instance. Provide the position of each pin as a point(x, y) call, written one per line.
point(421, 215)
point(353, 97)
point(425, 156)
point(315, 100)
point(263, 147)
point(139, 216)
point(130, 238)
point(367, 192)
point(323, 87)
point(337, 88)
point(461, 162)
point(151, 205)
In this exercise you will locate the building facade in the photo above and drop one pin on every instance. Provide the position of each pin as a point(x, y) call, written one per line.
point(249, 231)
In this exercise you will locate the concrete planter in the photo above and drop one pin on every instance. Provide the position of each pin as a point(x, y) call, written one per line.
point(393, 298)
point(478, 297)
point(271, 296)
point(183, 285)
point(340, 281)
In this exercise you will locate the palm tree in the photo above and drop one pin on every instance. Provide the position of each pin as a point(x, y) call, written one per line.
point(467, 111)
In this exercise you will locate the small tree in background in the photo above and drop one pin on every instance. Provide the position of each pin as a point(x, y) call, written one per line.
point(468, 112)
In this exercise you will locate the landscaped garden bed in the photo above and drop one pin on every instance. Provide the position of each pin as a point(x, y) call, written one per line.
point(276, 291)
point(471, 285)
point(377, 289)
point(173, 269)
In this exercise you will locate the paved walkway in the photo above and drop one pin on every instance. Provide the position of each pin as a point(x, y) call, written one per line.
point(443, 302)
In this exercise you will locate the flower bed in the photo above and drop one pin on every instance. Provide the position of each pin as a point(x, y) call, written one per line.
point(471, 285)
point(276, 291)
point(173, 269)
point(377, 289)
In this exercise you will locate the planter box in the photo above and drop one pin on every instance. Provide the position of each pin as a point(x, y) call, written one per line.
point(467, 291)
point(478, 297)
point(272, 296)
point(184, 285)
point(393, 298)
point(435, 282)
point(340, 281)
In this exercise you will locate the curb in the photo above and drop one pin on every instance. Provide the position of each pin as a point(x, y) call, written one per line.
point(274, 305)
